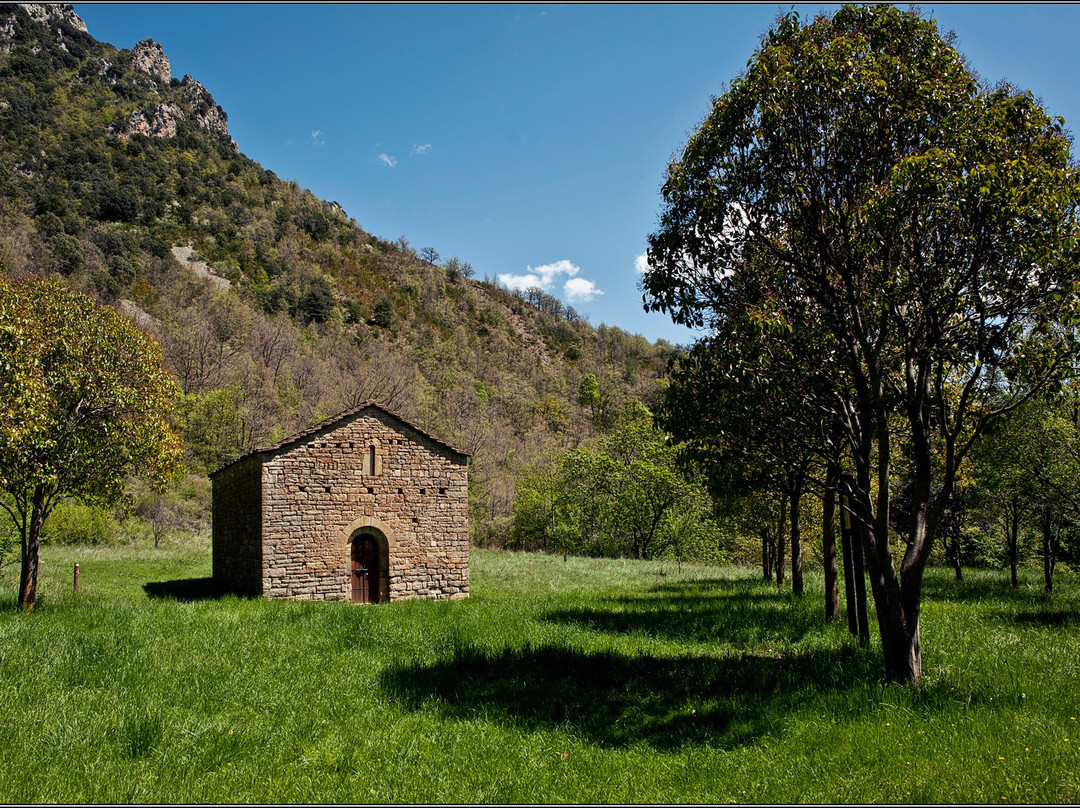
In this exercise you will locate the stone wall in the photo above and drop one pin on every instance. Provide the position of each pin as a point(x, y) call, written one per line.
point(237, 551)
point(319, 492)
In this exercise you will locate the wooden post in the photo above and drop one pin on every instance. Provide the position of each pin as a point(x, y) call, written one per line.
point(76, 582)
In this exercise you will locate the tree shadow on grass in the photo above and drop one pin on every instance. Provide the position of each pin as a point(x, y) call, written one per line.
point(743, 614)
point(978, 588)
point(616, 700)
point(1045, 618)
point(186, 589)
point(746, 681)
point(1050, 618)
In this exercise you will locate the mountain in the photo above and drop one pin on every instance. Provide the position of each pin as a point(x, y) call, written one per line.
point(273, 308)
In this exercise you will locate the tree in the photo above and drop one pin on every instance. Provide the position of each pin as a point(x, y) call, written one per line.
point(457, 269)
point(625, 498)
point(383, 314)
point(858, 178)
point(589, 395)
point(638, 478)
point(84, 404)
point(764, 437)
point(1029, 467)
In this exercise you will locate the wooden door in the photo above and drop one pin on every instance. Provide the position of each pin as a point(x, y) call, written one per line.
point(365, 570)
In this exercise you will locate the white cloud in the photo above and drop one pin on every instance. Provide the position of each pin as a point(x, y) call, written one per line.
point(543, 276)
point(546, 276)
point(580, 290)
point(641, 264)
point(420, 149)
point(519, 281)
point(316, 138)
point(387, 160)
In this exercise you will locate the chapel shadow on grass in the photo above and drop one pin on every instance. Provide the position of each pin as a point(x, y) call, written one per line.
point(744, 614)
point(186, 589)
point(615, 700)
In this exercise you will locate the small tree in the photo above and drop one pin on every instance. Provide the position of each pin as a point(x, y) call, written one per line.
point(383, 315)
point(456, 269)
point(84, 404)
point(589, 395)
point(625, 498)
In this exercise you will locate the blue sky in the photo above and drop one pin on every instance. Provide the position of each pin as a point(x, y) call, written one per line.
point(528, 140)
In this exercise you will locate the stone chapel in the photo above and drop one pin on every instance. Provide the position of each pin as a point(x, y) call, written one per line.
point(364, 507)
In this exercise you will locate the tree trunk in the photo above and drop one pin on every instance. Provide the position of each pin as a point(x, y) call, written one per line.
point(1014, 530)
point(847, 545)
point(780, 548)
point(31, 544)
point(828, 544)
point(1048, 550)
point(896, 601)
point(896, 596)
point(796, 540)
point(766, 555)
point(956, 558)
point(903, 657)
point(858, 574)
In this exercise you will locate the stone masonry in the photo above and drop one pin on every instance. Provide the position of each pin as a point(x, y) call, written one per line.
point(285, 517)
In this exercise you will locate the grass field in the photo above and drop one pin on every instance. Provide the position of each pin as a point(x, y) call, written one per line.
point(585, 681)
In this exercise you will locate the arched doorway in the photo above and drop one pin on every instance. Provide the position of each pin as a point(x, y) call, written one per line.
point(366, 569)
point(365, 546)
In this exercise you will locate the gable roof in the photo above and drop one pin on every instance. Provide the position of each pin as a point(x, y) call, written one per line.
point(333, 423)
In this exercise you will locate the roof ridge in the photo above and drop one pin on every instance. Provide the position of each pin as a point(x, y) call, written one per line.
point(329, 422)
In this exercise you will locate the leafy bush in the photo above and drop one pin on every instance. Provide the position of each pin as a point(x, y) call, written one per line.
point(383, 316)
point(75, 523)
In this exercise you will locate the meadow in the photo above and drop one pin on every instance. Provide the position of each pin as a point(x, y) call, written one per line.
point(578, 681)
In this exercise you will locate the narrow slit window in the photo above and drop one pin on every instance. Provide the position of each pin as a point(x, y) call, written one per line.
point(371, 460)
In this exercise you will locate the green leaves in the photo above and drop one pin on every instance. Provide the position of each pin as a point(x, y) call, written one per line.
point(889, 245)
point(624, 498)
point(83, 399)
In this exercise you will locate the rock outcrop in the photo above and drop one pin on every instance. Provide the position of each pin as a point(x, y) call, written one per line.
point(149, 57)
point(208, 115)
point(54, 14)
point(162, 120)
point(193, 103)
point(159, 122)
point(56, 17)
point(7, 34)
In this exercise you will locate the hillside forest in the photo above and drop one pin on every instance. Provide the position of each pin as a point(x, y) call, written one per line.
point(274, 310)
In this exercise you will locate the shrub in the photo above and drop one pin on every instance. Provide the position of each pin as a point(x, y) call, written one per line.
point(383, 316)
point(76, 523)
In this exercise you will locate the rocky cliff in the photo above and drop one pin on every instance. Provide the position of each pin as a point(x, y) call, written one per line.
point(56, 32)
point(149, 57)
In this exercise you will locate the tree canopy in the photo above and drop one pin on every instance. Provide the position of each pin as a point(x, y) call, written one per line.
point(84, 404)
point(858, 193)
point(627, 497)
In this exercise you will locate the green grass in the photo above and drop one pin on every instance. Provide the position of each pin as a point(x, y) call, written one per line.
point(586, 681)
